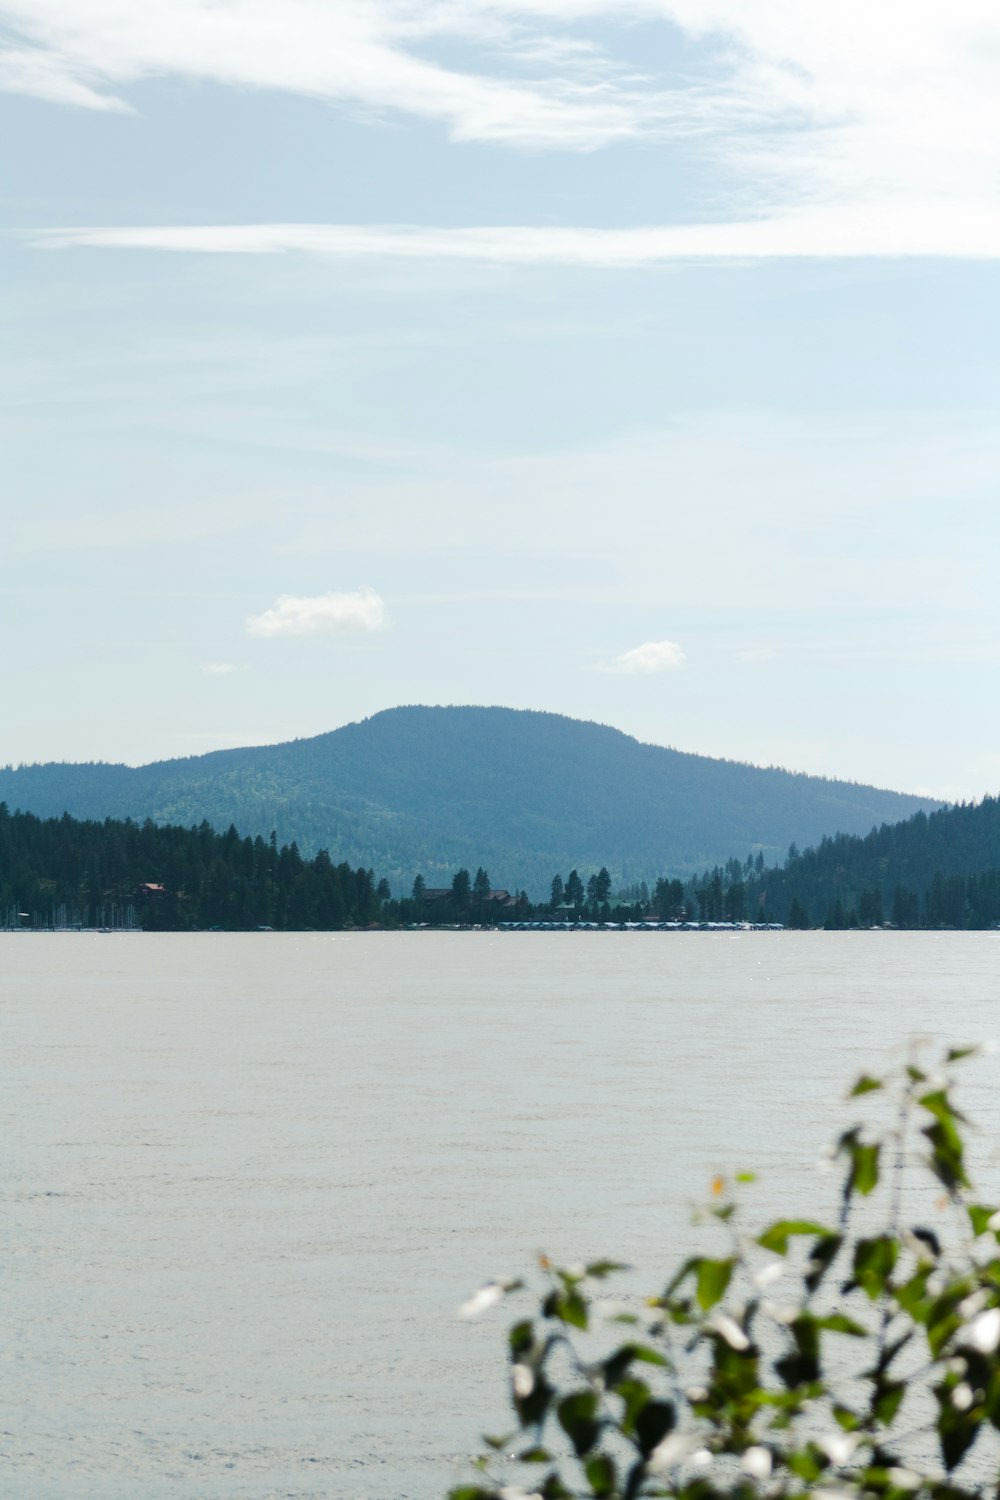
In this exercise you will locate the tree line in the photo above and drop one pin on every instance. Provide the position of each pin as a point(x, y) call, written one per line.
point(177, 879)
point(941, 871)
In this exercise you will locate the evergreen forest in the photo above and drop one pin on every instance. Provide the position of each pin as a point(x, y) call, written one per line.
point(937, 870)
point(58, 872)
point(941, 871)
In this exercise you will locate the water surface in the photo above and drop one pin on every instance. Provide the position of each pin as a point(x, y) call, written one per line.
point(248, 1178)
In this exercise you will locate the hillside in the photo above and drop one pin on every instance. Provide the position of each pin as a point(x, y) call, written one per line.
point(432, 789)
point(936, 871)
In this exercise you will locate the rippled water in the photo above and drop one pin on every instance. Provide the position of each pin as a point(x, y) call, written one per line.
point(247, 1179)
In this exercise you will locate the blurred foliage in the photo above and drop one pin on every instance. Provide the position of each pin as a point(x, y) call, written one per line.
point(852, 1359)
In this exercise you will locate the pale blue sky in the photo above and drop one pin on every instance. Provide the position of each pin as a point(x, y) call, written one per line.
point(629, 358)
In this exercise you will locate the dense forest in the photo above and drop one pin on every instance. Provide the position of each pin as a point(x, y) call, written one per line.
point(941, 870)
point(62, 872)
point(437, 789)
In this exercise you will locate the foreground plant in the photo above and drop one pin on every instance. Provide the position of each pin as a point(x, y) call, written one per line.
point(853, 1359)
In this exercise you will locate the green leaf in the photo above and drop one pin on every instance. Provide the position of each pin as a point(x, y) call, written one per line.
point(864, 1167)
point(955, 1054)
point(601, 1475)
point(568, 1305)
point(616, 1366)
point(838, 1323)
point(887, 1400)
point(521, 1338)
point(553, 1488)
point(874, 1262)
point(776, 1236)
point(821, 1257)
point(714, 1277)
point(577, 1415)
point(957, 1430)
point(652, 1424)
point(979, 1217)
point(471, 1492)
point(746, 1177)
point(801, 1365)
point(599, 1269)
point(634, 1396)
point(865, 1085)
point(534, 1456)
point(942, 1317)
point(912, 1295)
point(649, 1356)
point(533, 1408)
point(805, 1464)
point(947, 1151)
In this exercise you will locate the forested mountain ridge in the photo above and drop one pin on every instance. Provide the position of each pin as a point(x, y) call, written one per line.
point(431, 789)
point(941, 870)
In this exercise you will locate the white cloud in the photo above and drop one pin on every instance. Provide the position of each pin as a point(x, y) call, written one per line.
point(848, 104)
point(29, 70)
point(368, 52)
point(967, 230)
point(219, 668)
point(653, 656)
point(297, 615)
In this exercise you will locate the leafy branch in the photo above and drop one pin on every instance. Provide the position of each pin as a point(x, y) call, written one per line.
point(875, 1376)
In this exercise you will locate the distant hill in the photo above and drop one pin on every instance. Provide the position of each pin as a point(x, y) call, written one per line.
point(937, 871)
point(432, 789)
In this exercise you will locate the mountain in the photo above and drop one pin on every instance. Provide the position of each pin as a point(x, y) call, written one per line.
point(433, 789)
point(937, 871)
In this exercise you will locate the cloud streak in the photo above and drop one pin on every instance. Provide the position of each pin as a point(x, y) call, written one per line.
point(294, 615)
point(649, 659)
point(967, 230)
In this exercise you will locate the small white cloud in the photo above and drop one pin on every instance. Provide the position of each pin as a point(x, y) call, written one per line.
point(219, 668)
point(299, 615)
point(653, 656)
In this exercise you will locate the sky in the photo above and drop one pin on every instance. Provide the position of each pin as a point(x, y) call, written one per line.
point(631, 359)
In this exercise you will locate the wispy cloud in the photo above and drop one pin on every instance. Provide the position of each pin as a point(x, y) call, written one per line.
point(373, 53)
point(754, 655)
point(649, 658)
point(218, 668)
point(850, 104)
point(299, 615)
point(967, 230)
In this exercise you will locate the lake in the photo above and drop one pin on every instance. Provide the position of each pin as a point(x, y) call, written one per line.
point(249, 1178)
